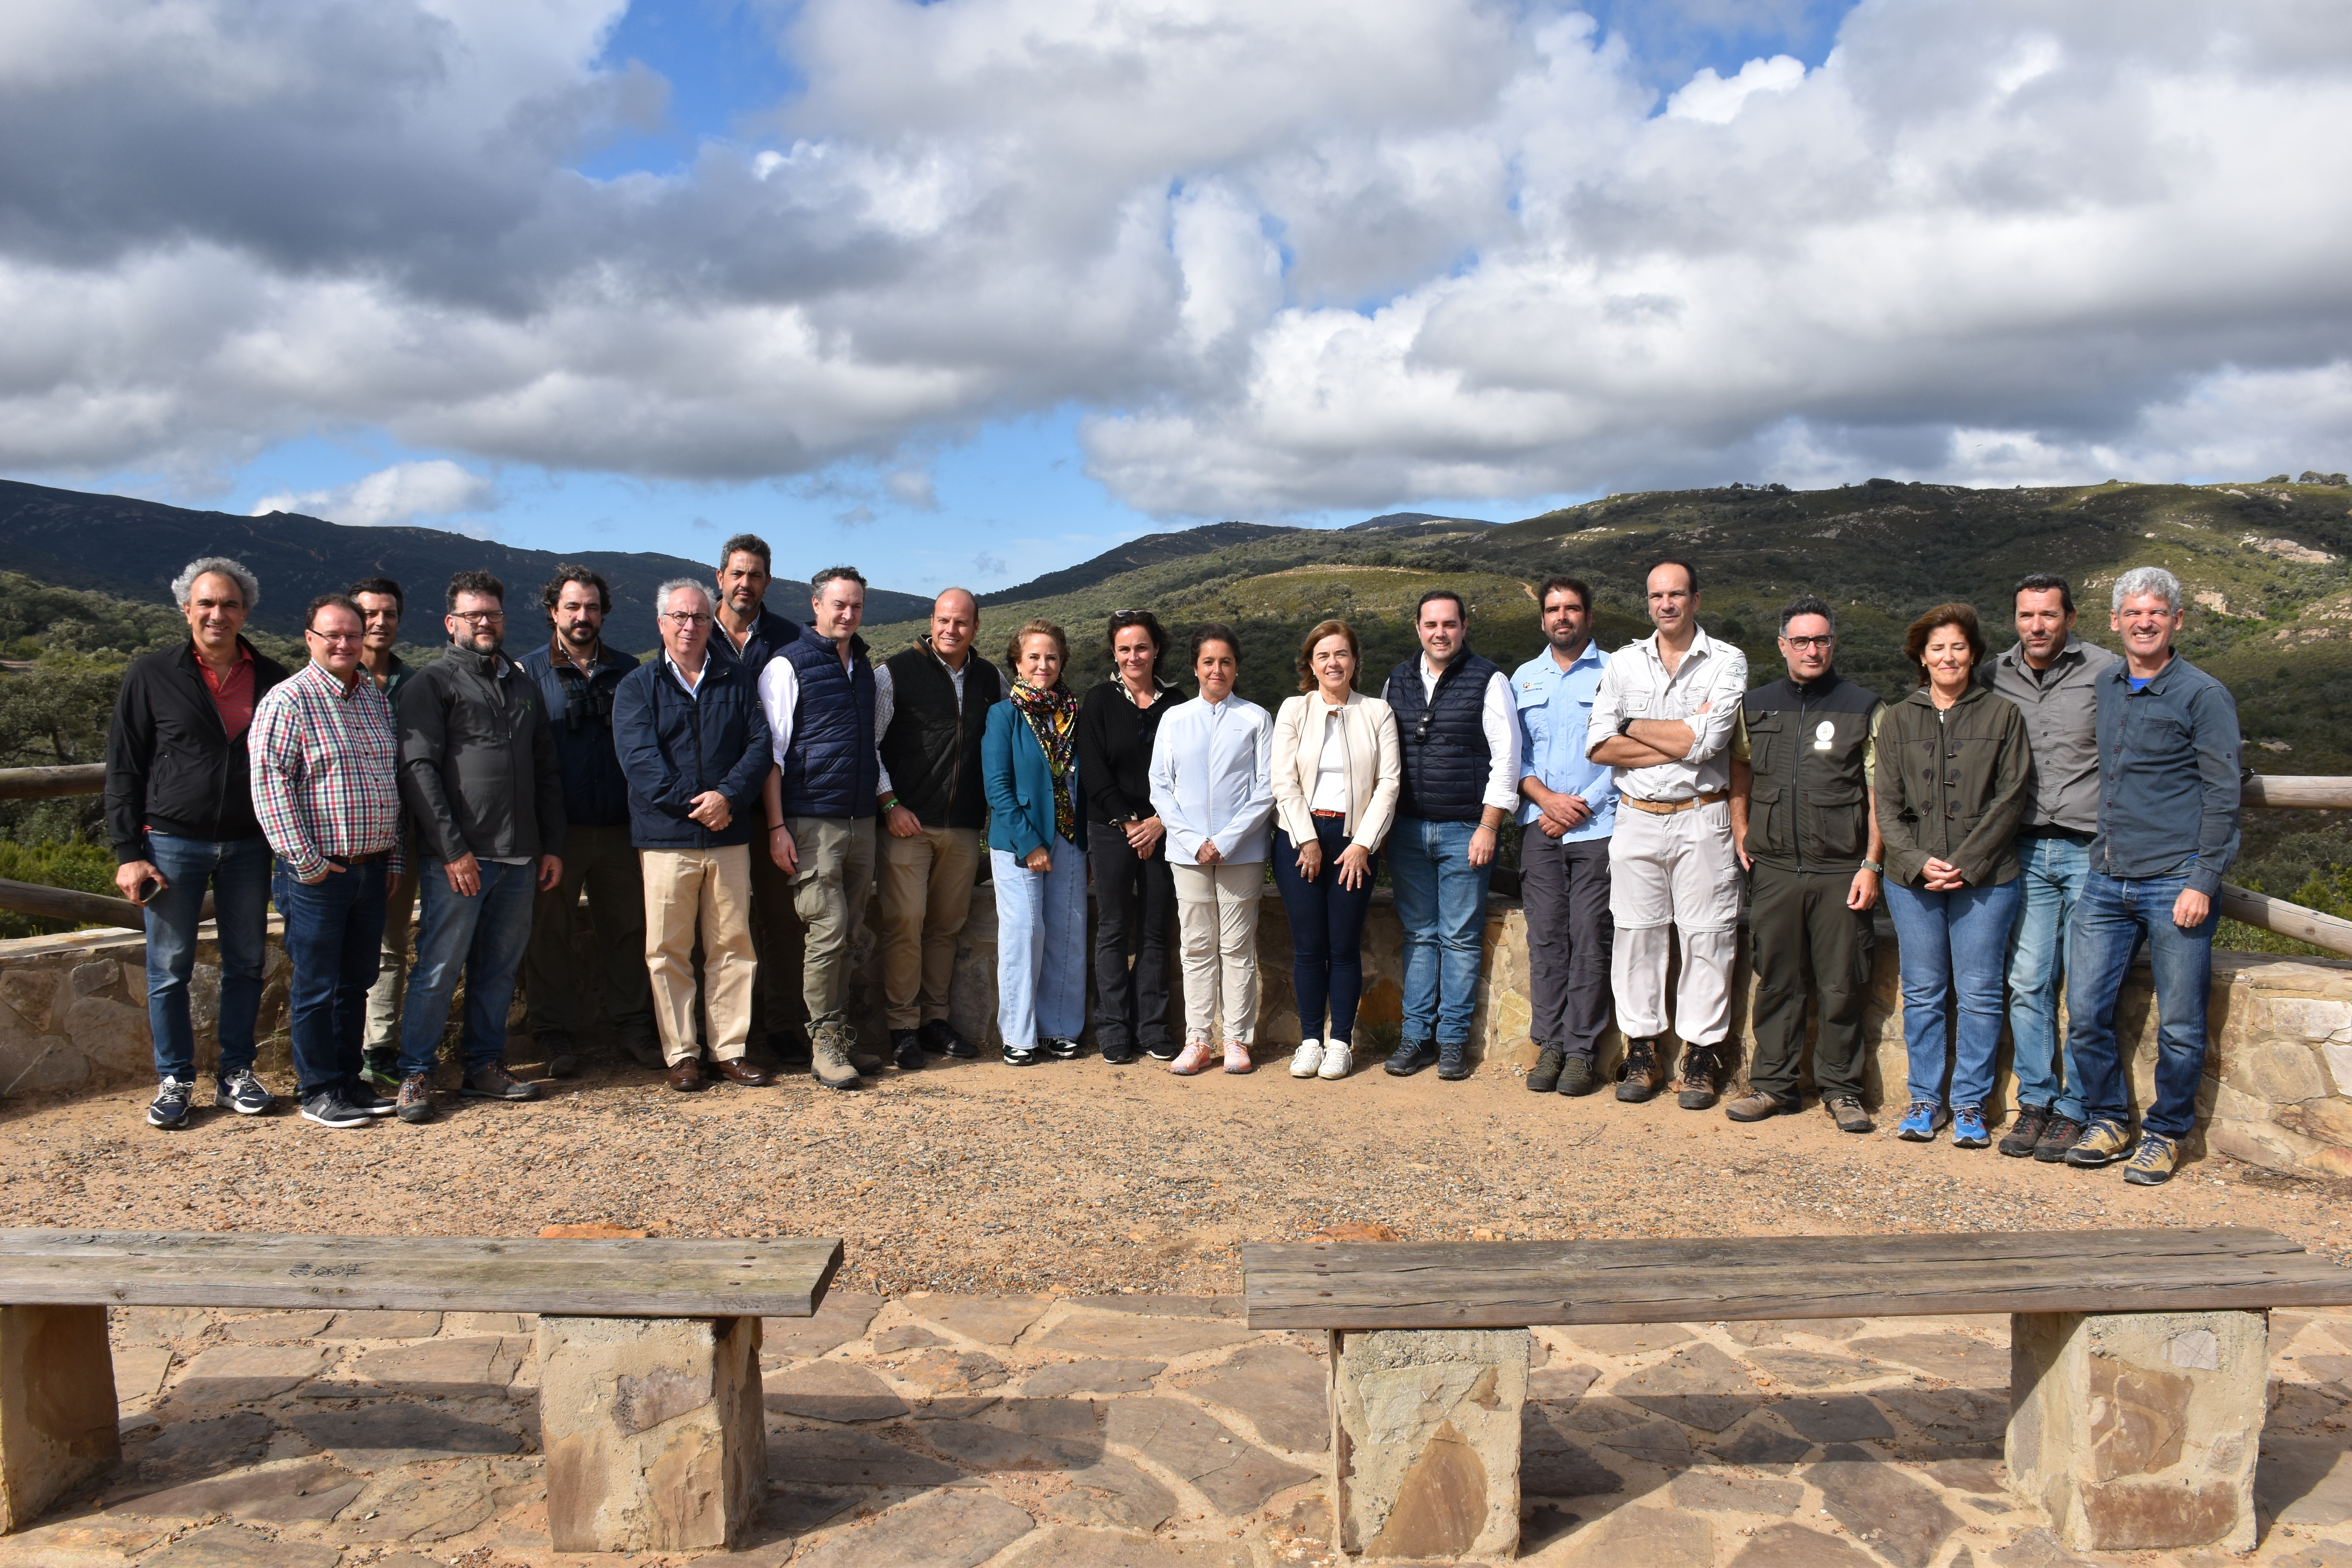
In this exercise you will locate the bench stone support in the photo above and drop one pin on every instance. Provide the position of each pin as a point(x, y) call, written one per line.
point(57, 1407)
point(1425, 1441)
point(2139, 1430)
point(654, 1430)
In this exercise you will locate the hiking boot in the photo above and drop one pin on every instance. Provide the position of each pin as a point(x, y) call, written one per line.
point(829, 1064)
point(1544, 1077)
point(328, 1110)
point(1410, 1056)
point(1307, 1060)
point(1643, 1075)
point(940, 1038)
point(416, 1097)
point(1919, 1123)
point(1968, 1130)
point(2058, 1135)
point(174, 1096)
point(555, 1047)
point(1194, 1057)
point(1848, 1113)
point(2025, 1131)
point(2102, 1144)
point(906, 1050)
point(1756, 1107)
point(1454, 1060)
point(1338, 1056)
point(1577, 1077)
point(492, 1082)
point(242, 1092)
point(380, 1071)
point(1696, 1090)
point(2152, 1163)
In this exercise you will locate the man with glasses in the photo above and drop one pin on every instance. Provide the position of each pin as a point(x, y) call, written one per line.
point(381, 602)
point(576, 675)
point(326, 785)
point(1805, 821)
point(479, 777)
point(1460, 736)
point(179, 812)
point(1662, 718)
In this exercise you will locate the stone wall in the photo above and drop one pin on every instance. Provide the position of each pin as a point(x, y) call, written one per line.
point(2277, 1092)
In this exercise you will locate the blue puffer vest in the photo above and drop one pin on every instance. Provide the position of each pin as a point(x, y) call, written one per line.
point(830, 769)
point(1445, 764)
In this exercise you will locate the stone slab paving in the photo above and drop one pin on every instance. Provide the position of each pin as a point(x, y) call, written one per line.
point(1146, 1431)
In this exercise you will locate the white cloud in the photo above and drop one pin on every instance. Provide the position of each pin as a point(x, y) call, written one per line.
point(1293, 257)
point(402, 493)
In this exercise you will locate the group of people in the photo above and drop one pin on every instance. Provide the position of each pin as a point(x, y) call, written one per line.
point(729, 805)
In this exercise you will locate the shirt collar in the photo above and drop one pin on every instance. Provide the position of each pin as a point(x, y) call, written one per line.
point(1701, 646)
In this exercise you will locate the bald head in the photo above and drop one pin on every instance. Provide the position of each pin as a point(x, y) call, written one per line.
point(955, 618)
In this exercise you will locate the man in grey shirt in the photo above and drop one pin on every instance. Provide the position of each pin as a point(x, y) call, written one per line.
point(2053, 676)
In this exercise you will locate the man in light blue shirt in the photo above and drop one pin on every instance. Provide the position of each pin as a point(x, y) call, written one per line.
point(1568, 810)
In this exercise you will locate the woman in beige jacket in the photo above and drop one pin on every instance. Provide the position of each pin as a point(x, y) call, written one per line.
point(1336, 774)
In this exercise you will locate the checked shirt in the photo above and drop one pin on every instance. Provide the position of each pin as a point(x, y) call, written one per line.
point(326, 781)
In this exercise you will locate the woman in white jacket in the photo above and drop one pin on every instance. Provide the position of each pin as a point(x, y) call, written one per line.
point(1337, 770)
point(1212, 785)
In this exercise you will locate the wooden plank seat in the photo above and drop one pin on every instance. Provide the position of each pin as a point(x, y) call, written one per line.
point(649, 1398)
point(2139, 1359)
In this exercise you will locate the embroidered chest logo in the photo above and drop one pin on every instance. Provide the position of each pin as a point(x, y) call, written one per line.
point(1822, 733)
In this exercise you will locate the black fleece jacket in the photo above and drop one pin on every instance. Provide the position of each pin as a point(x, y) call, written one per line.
point(170, 764)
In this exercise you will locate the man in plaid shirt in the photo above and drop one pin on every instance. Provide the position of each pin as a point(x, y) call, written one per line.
point(325, 771)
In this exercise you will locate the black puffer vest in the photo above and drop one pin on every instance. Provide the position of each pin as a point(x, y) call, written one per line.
point(1445, 761)
point(932, 748)
point(829, 768)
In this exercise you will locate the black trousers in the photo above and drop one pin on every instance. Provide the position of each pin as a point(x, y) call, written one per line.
point(1135, 903)
point(1564, 888)
point(1804, 932)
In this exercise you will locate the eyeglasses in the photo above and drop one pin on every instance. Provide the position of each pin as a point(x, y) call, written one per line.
point(684, 618)
point(330, 638)
point(1823, 643)
point(479, 617)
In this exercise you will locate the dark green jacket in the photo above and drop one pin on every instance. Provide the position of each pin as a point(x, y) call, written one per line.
point(1952, 786)
point(1808, 793)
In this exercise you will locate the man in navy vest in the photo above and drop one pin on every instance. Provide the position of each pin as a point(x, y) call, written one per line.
point(1460, 737)
point(822, 797)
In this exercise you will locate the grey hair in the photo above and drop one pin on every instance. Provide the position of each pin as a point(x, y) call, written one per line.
point(2142, 580)
point(183, 586)
point(662, 594)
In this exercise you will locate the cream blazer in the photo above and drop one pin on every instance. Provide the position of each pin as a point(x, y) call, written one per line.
point(1375, 766)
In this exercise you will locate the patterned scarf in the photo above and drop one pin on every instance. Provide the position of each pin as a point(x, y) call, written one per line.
point(1052, 716)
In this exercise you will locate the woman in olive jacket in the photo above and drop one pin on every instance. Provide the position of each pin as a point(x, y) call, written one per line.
point(1952, 764)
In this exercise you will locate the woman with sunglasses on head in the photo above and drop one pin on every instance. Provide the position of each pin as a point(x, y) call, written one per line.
point(1212, 785)
point(1028, 760)
point(1134, 898)
point(1953, 766)
point(1337, 772)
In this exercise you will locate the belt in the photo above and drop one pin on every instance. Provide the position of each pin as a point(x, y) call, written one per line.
point(2075, 836)
point(1669, 807)
point(360, 860)
point(1333, 816)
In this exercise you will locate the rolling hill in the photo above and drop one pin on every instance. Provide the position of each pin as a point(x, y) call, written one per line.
point(132, 549)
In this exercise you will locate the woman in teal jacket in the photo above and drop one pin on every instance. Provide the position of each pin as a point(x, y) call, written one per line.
point(1028, 758)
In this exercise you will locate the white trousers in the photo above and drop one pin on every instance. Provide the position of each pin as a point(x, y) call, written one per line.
point(1668, 874)
point(1216, 913)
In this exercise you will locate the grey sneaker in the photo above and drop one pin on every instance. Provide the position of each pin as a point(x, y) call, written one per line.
point(172, 1097)
point(829, 1064)
point(492, 1082)
point(329, 1108)
point(242, 1092)
point(1850, 1116)
point(1544, 1077)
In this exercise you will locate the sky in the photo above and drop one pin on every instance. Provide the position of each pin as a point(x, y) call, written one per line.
point(966, 291)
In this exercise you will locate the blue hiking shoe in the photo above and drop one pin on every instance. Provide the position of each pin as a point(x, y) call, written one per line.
point(1969, 1128)
point(1919, 1123)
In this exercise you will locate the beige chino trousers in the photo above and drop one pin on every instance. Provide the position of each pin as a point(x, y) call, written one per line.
point(706, 892)
point(925, 896)
point(1216, 917)
point(1668, 874)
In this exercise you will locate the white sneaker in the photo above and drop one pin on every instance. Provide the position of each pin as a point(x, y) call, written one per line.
point(1337, 1060)
point(1306, 1059)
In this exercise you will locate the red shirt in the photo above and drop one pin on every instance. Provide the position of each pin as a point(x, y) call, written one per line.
point(233, 693)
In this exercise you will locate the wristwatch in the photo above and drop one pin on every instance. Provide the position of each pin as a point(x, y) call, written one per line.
point(1874, 868)
point(1625, 723)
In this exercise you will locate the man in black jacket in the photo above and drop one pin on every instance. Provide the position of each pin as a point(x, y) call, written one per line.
point(576, 675)
point(479, 778)
point(931, 704)
point(179, 812)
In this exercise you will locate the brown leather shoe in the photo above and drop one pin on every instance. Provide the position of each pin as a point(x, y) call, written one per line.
point(685, 1076)
point(740, 1071)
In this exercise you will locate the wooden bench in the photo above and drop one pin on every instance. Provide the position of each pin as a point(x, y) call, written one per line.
point(2140, 1360)
point(649, 1397)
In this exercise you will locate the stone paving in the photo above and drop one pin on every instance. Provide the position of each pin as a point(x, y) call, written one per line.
point(1124, 1432)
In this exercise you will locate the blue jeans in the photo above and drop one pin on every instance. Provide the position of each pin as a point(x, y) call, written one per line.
point(1441, 901)
point(1041, 946)
point(1952, 946)
point(2110, 918)
point(334, 931)
point(1326, 932)
point(237, 870)
point(2051, 869)
point(482, 937)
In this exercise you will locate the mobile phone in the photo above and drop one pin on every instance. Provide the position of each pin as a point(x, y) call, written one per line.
point(148, 888)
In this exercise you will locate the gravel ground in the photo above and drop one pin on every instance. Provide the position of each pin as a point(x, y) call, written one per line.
point(1079, 1176)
